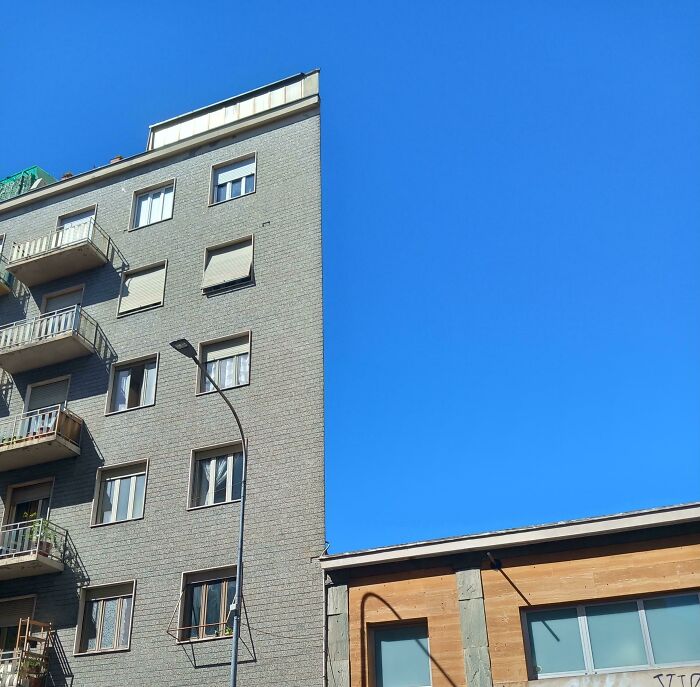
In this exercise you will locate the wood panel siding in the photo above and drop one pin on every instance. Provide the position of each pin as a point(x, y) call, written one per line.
point(425, 595)
point(606, 572)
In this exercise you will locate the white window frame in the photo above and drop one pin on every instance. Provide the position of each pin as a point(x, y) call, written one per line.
point(81, 616)
point(101, 478)
point(215, 168)
point(136, 270)
point(586, 642)
point(199, 385)
point(228, 449)
point(147, 190)
point(130, 363)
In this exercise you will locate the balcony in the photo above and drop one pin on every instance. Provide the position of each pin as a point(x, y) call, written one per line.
point(48, 339)
point(6, 281)
point(34, 547)
point(39, 436)
point(65, 251)
point(27, 664)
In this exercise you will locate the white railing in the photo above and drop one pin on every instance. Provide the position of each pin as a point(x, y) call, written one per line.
point(46, 326)
point(32, 536)
point(62, 237)
point(39, 424)
point(9, 668)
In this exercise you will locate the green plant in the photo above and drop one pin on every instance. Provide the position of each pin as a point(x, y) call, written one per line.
point(31, 665)
point(39, 530)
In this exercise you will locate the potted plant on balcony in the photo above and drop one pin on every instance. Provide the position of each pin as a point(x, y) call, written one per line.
point(40, 534)
point(32, 667)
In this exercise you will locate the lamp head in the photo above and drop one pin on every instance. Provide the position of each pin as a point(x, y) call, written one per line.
point(185, 347)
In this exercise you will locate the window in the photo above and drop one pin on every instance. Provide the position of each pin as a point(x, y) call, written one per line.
point(234, 180)
point(106, 618)
point(133, 385)
point(216, 476)
point(227, 362)
point(610, 636)
point(121, 492)
point(62, 300)
point(12, 610)
point(228, 264)
point(402, 656)
point(142, 288)
point(75, 227)
point(208, 596)
point(154, 206)
point(29, 502)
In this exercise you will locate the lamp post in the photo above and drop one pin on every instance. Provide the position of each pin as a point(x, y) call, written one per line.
point(187, 349)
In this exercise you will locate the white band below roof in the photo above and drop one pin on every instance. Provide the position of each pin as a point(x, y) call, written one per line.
point(671, 515)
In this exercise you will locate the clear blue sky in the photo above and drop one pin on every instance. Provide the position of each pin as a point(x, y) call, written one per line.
point(512, 230)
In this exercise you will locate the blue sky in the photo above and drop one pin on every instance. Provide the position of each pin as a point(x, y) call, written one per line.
point(511, 231)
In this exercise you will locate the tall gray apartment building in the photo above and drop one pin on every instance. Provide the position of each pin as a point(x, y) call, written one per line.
point(120, 465)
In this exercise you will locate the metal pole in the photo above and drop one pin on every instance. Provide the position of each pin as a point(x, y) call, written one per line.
point(236, 605)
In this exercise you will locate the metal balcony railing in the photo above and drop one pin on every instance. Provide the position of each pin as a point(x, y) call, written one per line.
point(88, 231)
point(49, 325)
point(29, 659)
point(39, 536)
point(44, 423)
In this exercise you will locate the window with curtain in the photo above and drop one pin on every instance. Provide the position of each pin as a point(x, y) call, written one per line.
point(217, 476)
point(106, 622)
point(227, 362)
point(234, 180)
point(121, 493)
point(402, 656)
point(154, 206)
point(599, 637)
point(228, 264)
point(141, 289)
point(207, 599)
point(133, 385)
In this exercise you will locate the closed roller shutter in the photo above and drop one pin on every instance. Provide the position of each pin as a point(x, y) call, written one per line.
point(142, 289)
point(228, 264)
point(226, 349)
point(47, 395)
point(13, 610)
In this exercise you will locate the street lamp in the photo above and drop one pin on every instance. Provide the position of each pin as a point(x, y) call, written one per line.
point(187, 349)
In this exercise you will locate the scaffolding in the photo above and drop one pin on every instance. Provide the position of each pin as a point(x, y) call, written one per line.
point(26, 180)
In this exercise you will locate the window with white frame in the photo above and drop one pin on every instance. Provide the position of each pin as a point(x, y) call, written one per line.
point(234, 180)
point(228, 264)
point(133, 385)
point(121, 492)
point(630, 634)
point(227, 363)
point(208, 596)
point(154, 206)
point(106, 618)
point(216, 476)
point(142, 288)
point(401, 656)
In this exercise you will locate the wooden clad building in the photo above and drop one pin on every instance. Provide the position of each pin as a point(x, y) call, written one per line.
point(602, 602)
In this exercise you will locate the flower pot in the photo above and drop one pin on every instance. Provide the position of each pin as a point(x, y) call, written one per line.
point(44, 547)
point(36, 680)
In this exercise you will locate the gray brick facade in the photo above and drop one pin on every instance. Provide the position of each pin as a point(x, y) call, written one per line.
point(281, 410)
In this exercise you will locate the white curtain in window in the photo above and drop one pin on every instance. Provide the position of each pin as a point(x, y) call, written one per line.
point(243, 368)
point(143, 206)
point(227, 368)
point(121, 389)
point(148, 389)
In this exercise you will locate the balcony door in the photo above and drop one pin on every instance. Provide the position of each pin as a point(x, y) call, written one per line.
point(75, 227)
point(42, 407)
point(11, 612)
point(30, 502)
point(62, 305)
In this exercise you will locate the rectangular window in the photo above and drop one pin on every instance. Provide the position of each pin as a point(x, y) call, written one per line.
point(74, 227)
point(227, 362)
point(106, 618)
point(121, 492)
point(142, 288)
point(216, 476)
point(234, 180)
point(228, 264)
point(402, 656)
point(133, 385)
point(208, 596)
point(611, 636)
point(154, 206)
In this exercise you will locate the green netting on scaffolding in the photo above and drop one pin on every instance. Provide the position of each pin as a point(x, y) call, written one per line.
point(17, 184)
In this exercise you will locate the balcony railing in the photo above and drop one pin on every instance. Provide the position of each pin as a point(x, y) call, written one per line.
point(66, 250)
point(26, 335)
point(30, 548)
point(29, 659)
point(6, 282)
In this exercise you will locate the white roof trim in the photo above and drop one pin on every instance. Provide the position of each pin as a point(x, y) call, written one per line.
point(609, 524)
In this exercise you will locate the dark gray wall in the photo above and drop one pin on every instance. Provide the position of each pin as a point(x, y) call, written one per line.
point(281, 409)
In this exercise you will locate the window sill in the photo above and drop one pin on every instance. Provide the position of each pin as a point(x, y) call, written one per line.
point(213, 505)
point(138, 310)
point(214, 391)
point(212, 203)
point(116, 522)
point(612, 671)
point(102, 651)
point(152, 224)
point(128, 410)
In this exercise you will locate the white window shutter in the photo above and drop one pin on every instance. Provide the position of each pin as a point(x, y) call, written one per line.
point(65, 300)
point(226, 349)
point(228, 264)
point(235, 171)
point(142, 289)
